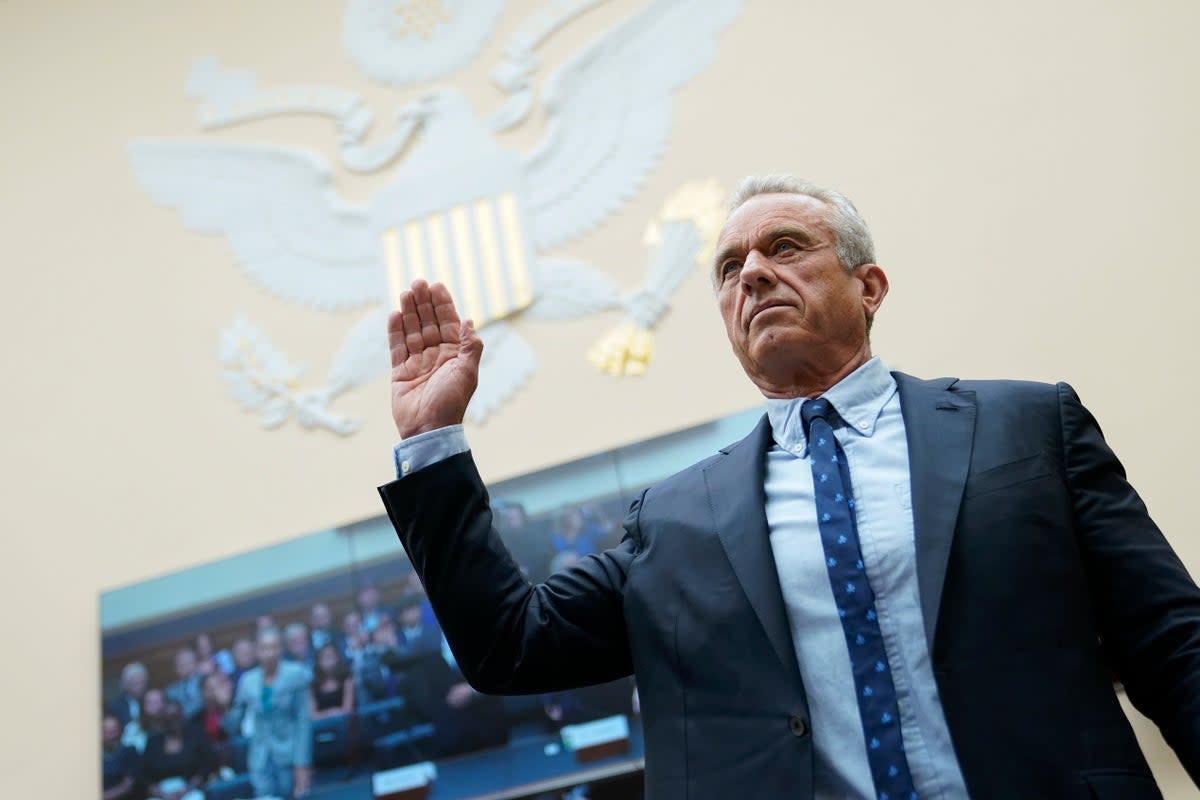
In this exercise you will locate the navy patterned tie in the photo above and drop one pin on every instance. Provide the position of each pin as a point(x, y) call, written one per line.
point(856, 604)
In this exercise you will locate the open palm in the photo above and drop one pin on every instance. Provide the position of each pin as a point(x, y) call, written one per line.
point(435, 360)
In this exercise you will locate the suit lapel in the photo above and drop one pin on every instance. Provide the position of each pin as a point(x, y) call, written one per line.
point(737, 497)
point(940, 427)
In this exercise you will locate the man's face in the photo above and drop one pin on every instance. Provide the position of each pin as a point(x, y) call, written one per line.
point(352, 624)
point(788, 304)
point(152, 705)
point(297, 643)
point(410, 617)
point(204, 646)
point(269, 648)
point(243, 653)
point(368, 598)
point(320, 616)
point(185, 663)
point(110, 732)
point(135, 684)
point(512, 519)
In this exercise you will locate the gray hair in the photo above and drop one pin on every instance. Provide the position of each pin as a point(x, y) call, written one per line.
point(269, 632)
point(135, 668)
point(854, 245)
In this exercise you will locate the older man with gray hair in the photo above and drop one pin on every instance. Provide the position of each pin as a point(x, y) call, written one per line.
point(891, 588)
point(126, 707)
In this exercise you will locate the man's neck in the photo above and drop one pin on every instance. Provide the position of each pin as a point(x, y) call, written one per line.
point(812, 384)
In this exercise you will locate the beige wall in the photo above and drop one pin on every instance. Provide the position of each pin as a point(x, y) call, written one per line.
point(1029, 170)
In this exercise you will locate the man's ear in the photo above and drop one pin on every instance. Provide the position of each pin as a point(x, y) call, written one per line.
point(875, 286)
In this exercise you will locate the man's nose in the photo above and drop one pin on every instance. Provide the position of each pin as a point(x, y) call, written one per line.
point(757, 271)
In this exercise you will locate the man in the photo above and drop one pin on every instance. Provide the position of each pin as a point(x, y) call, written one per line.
point(463, 719)
point(415, 634)
point(127, 706)
point(119, 766)
point(369, 609)
point(186, 691)
point(245, 658)
point(274, 695)
point(298, 647)
point(891, 588)
point(321, 626)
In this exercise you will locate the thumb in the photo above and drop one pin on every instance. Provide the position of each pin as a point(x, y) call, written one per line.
point(470, 344)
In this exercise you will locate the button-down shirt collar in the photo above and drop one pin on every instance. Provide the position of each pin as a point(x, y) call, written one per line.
point(859, 398)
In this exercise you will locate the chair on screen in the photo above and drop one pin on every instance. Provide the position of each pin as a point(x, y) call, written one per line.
point(381, 718)
point(403, 747)
point(331, 737)
point(236, 788)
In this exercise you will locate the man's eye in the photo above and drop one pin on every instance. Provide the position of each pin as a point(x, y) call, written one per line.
point(729, 267)
point(785, 247)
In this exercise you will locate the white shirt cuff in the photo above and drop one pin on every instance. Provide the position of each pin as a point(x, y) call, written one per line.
point(426, 449)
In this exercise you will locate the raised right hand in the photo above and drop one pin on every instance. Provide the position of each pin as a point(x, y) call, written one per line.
point(435, 360)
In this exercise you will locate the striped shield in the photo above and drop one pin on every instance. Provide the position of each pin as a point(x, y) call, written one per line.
point(478, 249)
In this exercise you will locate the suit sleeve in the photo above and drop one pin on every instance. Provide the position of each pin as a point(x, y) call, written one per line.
point(509, 636)
point(1147, 605)
point(232, 722)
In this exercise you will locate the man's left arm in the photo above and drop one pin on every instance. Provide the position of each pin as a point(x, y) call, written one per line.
point(1147, 605)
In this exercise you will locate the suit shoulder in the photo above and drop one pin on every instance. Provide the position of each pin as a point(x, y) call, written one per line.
point(998, 388)
point(688, 475)
point(692, 476)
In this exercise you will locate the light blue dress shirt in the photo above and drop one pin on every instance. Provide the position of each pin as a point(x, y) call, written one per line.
point(877, 454)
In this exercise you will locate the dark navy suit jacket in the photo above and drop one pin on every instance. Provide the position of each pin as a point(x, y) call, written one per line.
point(1040, 575)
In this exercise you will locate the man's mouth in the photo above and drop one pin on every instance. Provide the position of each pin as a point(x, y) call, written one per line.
point(766, 306)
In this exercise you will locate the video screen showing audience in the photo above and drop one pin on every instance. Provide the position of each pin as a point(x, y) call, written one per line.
point(363, 681)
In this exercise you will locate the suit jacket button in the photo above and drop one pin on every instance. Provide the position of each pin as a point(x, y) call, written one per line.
point(797, 726)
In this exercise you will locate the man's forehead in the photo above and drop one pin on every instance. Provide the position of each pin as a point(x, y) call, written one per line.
point(767, 211)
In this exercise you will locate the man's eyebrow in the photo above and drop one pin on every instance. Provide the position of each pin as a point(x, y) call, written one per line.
point(800, 234)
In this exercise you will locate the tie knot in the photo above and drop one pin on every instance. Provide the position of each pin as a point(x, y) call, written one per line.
point(819, 408)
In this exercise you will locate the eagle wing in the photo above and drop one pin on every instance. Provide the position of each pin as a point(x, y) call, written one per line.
point(279, 212)
point(609, 113)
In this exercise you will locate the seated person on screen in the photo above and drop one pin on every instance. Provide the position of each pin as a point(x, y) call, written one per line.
point(417, 631)
point(120, 764)
point(186, 690)
point(320, 630)
point(297, 648)
point(369, 607)
point(148, 723)
point(353, 638)
point(127, 706)
point(332, 689)
point(463, 719)
point(218, 697)
point(576, 534)
point(209, 658)
point(179, 760)
point(373, 669)
point(244, 660)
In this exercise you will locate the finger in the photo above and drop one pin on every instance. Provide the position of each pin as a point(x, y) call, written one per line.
point(430, 333)
point(411, 323)
point(470, 343)
point(395, 334)
point(445, 313)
